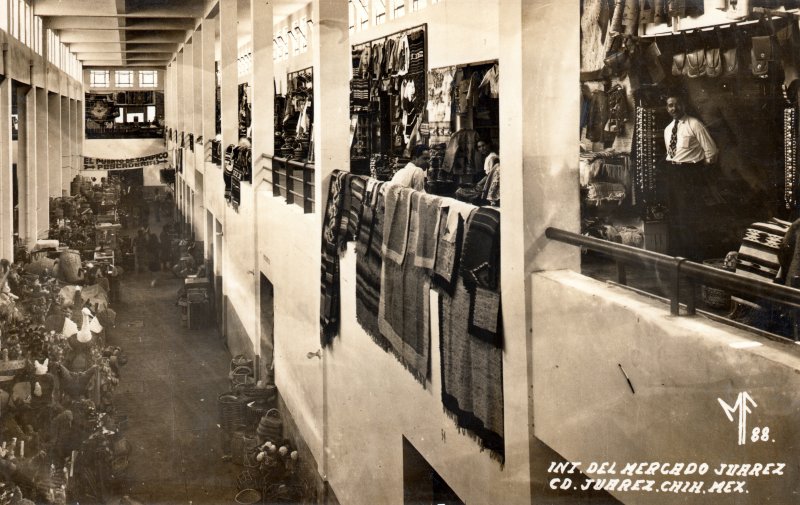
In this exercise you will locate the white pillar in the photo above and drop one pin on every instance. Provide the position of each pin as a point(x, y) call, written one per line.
point(75, 136)
point(332, 62)
point(26, 164)
point(6, 175)
point(229, 71)
point(66, 144)
point(263, 90)
point(208, 85)
point(538, 149)
point(54, 144)
point(42, 166)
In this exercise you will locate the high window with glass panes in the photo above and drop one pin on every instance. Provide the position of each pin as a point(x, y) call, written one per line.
point(148, 78)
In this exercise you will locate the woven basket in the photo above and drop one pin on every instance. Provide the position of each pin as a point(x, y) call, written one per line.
point(256, 409)
point(249, 479)
point(270, 427)
point(248, 497)
point(242, 376)
point(269, 393)
point(241, 443)
point(714, 297)
point(241, 360)
point(231, 411)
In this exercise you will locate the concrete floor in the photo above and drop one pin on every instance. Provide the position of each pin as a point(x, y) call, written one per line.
point(168, 393)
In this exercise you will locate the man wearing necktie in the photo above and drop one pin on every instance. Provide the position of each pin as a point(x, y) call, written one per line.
point(690, 153)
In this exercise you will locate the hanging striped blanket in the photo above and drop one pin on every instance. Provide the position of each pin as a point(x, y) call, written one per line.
point(758, 254)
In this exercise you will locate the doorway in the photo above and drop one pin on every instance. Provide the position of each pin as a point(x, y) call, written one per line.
point(267, 344)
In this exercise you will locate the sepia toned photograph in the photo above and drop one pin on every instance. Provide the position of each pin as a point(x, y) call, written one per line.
point(251, 252)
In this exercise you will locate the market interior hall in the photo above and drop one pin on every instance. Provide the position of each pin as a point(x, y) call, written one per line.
point(251, 252)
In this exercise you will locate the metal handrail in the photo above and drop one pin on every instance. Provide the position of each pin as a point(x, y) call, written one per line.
point(681, 269)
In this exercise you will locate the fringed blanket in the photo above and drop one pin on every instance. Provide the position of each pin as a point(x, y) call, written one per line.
point(480, 271)
point(369, 263)
point(332, 241)
point(403, 312)
point(472, 375)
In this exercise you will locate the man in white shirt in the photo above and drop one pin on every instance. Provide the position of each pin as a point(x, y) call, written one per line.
point(690, 153)
point(413, 174)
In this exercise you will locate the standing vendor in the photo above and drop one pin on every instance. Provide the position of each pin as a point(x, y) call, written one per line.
point(690, 153)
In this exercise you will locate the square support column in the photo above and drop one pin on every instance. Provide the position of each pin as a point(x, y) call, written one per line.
point(6, 173)
point(66, 144)
point(42, 204)
point(54, 145)
point(539, 150)
point(26, 164)
point(332, 60)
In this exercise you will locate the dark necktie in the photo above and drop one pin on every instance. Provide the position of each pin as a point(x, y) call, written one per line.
point(673, 141)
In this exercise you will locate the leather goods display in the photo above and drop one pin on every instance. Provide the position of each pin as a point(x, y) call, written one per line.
point(679, 64)
point(763, 56)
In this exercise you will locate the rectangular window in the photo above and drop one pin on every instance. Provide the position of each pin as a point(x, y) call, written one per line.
point(15, 18)
point(151, 113)
point(99, 78)
point(121, 117)
point(148, 78)
point(379, 7)
point(123, 78)
point(399, 8)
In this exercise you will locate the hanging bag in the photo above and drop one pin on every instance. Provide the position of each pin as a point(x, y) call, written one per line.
point(730, 57)
point(714, 67)
point(764, 52)
point(696, 58)
point(679, 61)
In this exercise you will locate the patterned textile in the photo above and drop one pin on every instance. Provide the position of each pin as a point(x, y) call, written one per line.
point(395, 230)
point(472, 375)
point(480, 260)
point(480, 270)
point(790, 157)
point(403, 313)
point(331, 240)
point(427, 229)
point(759, 253)
point(369, 263)
point(227, 171)
point(448, 248)
point(358, 186)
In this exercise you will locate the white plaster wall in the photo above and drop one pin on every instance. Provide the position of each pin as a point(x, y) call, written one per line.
point(679, 367)
point(287, 246)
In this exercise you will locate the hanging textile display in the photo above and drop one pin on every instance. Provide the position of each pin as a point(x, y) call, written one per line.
point(645, 137)
point(245, 115)
point(440, 94)
point(480, 271)
point(471, 337)
point(333, 242)
point(403, 312)
point(369, 262)
point(790, 157)
point(388, 94)
point(227, 172)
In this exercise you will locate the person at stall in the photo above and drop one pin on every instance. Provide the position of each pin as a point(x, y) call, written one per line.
point(413, 174)
point(166, 248)
point(487, 190)
point(690, 153)
point(153, 252)
point(140, 243)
